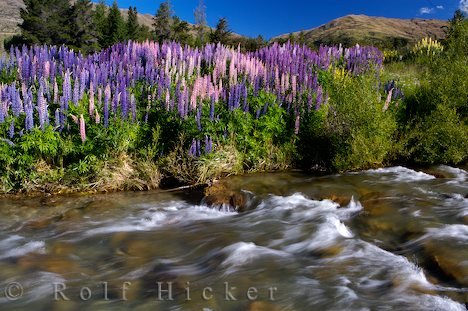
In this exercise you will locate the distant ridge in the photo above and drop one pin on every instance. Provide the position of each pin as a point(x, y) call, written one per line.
point(379, 31)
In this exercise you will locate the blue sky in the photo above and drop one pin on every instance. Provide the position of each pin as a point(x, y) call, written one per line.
point(274, 17)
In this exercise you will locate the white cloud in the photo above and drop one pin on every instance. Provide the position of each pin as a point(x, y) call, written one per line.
point(440, 7)
point(426, 10)
point(464, 6)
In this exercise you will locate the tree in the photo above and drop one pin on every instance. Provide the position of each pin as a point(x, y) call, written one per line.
point(144, 33)
point(162, 22)
point(221, 33)
point(45, 22)
point(115, 31)
point(180, 31)
point(132, 25)
point(100, 22)
point(82, 33)
point(200, 22)
point(455, 23)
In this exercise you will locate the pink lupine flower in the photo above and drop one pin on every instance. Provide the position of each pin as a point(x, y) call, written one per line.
point(82, 129)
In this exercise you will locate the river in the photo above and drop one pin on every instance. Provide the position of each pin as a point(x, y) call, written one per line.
point(386, 239)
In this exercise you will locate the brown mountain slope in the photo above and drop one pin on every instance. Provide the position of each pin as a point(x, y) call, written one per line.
point(380, 31)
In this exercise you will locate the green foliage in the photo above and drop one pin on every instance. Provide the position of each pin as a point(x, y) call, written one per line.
point(222, 33)
point(132, 26)
point(83, 36)
point(162, 22)
point(258, 139)
point(434, 122)
point(45, 22)
point(100, 22)
point(181, 31)
point(115, 26)
point(352, 131)
point(441, 138)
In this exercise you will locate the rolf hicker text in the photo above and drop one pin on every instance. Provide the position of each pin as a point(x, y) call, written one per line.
point(165, 291)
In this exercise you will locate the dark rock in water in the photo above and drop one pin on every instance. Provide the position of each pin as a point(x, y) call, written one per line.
point(220, 196)
point(449, 260)
point(43, 222)
point(437, 173)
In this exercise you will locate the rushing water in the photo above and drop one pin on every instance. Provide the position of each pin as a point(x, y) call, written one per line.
point(400, 243)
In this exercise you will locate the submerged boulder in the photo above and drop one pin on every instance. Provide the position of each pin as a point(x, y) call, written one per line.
point(449, 258)
point(220, 196)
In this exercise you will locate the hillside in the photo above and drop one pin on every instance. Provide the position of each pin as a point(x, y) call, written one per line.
point(378, 31)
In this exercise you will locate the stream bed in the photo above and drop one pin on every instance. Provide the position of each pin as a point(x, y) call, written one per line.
point(385, 239)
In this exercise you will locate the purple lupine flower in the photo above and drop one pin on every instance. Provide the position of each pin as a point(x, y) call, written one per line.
point(198, 148)
point(42, 108)
point(76, 92)
point(319, 98)
point(11, 131)
point(58, 122)
point(212, 107)
point(124, 101)
point(198, 119)
point(67, 89)
point(193, 149)
point(82, 84)
point(107, 96)
point(56, 93)
point(133, 107)
point(208, 145)
point(29, 120)
point(91, 100)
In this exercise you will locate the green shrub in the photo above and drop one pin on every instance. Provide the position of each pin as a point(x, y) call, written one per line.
point(441, 138)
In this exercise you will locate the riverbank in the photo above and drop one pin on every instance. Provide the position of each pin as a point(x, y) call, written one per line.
point(133, 115)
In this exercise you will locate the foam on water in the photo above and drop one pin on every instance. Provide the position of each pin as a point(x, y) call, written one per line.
point(16, 246)
point(165, 215)
point(329, 233)
point(458, 232)
point(459, 174)
point(242, 253)
point(401, 174)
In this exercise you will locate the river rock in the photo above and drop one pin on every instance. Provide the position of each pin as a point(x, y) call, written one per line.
point(450, 259)
point(42, 222)
point(342, 200)
point(219, 195)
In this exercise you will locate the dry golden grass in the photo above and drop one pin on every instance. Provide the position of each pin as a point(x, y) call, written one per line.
point(123, 173)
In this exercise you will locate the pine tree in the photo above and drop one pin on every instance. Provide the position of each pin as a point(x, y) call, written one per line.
point(115, 31)
point(162, 22)
point(82, 33)
point(144, 33)
point(132, 26)
point(180, 31)
point(222, 33)
point(200, 21)
point(57, 21)
point(100, 22)
point(45, 21)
